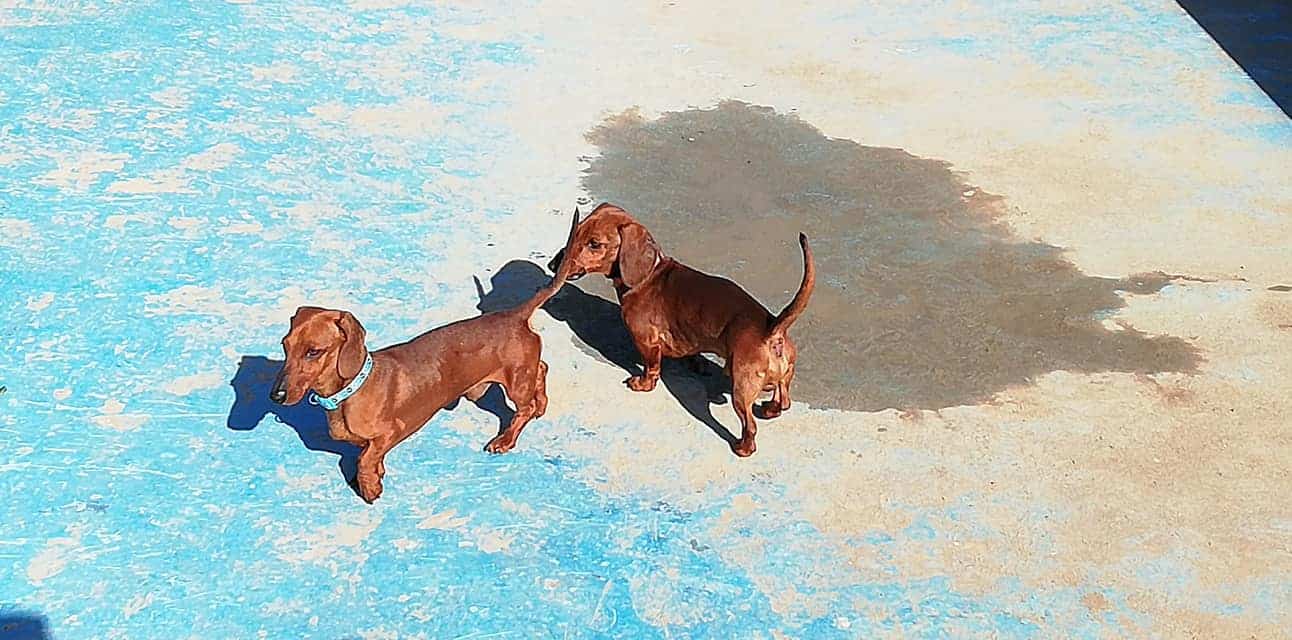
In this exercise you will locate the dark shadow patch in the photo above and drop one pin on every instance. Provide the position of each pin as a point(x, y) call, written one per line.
point(493, 401)
point(924, 299)
point(23, 625)
point(251, 385)
point(1257, 34)
point(696, 383)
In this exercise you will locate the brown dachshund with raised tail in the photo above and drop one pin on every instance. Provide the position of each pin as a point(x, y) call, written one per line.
point(674, 311)
point(377, 399)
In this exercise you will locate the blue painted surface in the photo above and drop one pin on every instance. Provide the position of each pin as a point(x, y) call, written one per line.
point(195, 513)
point(179, 524)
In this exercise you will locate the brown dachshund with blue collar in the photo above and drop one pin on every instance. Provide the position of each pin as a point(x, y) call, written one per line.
point(674, 311)
point(377, 399)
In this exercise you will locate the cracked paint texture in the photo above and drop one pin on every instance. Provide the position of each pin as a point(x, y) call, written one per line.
point(177, 177)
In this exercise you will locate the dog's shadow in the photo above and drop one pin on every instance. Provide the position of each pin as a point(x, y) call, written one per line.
point(696, 382)
point(251, 385)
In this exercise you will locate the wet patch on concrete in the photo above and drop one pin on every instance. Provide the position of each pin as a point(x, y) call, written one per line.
point(924, 299)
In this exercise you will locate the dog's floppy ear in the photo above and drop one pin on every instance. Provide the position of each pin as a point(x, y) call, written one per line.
point(349, 360)
point(637, 253)
point(305, 313)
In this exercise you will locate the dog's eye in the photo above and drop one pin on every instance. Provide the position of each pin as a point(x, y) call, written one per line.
point(313, 353)
point(594, 245)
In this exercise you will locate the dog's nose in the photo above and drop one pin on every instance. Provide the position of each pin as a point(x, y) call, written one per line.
point(278, 395)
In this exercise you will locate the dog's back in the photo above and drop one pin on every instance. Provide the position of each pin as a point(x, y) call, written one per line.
point(697, 311)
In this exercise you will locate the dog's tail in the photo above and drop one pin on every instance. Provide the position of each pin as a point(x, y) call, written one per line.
point(795, 308)
point(558, 280)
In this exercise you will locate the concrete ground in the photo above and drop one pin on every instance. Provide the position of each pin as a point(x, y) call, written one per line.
point(1046, 376)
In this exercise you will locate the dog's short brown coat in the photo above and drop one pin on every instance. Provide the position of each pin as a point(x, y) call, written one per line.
point(672, 310)
point(410, 382)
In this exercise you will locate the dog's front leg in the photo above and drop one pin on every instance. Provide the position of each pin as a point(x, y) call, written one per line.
point(652, 355)
point(372, 468)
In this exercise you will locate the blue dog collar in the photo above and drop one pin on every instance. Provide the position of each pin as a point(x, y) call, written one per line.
point(332, 402)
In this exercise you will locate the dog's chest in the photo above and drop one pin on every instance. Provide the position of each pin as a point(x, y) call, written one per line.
point(337, 427)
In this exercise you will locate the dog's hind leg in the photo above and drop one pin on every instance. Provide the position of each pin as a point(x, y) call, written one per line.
point(521, 385)
point(746, 385)
point(475, 393)
point(540, 390)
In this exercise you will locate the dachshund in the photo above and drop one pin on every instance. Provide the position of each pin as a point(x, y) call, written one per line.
point(377, 399)
point(672, 310)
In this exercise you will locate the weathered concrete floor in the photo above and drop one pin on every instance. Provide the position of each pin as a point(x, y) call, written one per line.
point(1045, 377)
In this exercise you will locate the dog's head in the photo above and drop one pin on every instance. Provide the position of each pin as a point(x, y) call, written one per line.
point(323, 347)
point(610, 242)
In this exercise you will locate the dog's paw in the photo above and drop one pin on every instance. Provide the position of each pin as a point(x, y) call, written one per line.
point(770, 409)
point(500, 444)
point(641, 383)
point(369, 489)
point(744, 448)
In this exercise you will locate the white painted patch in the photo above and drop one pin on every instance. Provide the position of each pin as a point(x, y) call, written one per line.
point(493, 541)
point(84, 170)
point(185, 223)
point(111, 416)
point(121, 422)
point(241, 227)
point(300, 483)
point(305, 213)
point(79, 172)
point(213, 159)
point(40, 303)
point(137, 604)
point(279, 72)
point(119, 220)
point(188, 298)
point(405, 544)
point(661, 601)
point(172, 97)
point(209, 301)
point(51, 560)
point(185, 385)
point(62, 394)
point(443, 520)
point(411, 118)
point(164, 181)
point(321, 545)
point(377, 5)
point(14, 232)
point(75, 119)
point(519, 508)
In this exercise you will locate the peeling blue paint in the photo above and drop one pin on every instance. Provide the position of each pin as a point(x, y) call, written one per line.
point(132, 511)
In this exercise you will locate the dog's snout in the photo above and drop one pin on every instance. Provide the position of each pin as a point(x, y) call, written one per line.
point(278, 392)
